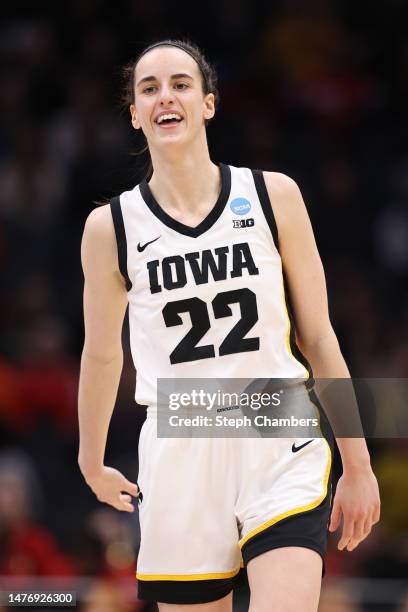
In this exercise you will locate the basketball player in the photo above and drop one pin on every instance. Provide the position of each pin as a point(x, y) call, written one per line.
point(208, 296)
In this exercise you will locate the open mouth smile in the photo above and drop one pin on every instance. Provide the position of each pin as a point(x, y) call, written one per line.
point(168, 120)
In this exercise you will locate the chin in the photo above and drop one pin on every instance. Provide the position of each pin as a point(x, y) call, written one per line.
point(173, 140)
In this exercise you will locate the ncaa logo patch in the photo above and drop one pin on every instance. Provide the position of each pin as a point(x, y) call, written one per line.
point(240, 206)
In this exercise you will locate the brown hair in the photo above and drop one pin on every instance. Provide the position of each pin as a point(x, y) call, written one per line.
point(208, 79)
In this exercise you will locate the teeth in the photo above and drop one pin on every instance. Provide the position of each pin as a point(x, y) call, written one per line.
point(169, 116)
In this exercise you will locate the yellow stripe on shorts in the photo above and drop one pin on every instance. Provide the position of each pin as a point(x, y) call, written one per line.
point(298, 510)
point(188, 577)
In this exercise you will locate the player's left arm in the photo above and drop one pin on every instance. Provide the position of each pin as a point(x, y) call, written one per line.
point(357, 496)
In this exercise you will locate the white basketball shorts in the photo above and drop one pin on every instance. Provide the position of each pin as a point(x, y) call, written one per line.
point(210, 505)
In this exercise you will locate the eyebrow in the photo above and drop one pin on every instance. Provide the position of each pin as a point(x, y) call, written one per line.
point(179, 75)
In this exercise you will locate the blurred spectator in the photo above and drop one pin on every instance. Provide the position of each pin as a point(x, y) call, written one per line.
point(27, 549)
point(336, 598)
point(404, 604)
point(86, 123)
point(111, 537)
point(108, 596)
point(43, 383)
point(391, 236)
point(32, 183)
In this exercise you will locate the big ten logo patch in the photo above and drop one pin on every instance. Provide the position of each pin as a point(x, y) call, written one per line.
point(243, 222)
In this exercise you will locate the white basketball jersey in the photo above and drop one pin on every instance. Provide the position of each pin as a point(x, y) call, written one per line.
point(208, 301)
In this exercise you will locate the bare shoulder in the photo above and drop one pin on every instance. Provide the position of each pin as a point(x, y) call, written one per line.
point(282, 189)
point(99, 240)
point(99, 223)
point(286, 199)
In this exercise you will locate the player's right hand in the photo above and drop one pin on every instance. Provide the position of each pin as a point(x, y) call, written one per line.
point(111, 487)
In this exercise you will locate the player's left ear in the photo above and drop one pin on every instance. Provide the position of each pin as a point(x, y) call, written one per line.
point(209, 106)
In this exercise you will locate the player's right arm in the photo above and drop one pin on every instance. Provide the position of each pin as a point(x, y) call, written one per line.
point(105, 301)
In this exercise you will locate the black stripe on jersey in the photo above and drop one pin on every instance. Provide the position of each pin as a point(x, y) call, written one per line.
point(120, 239)
point(270, 219)
point(296, 352)
point(263, 196)
point(206, 223)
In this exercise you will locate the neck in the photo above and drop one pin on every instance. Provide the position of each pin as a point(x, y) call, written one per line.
point(184, 182)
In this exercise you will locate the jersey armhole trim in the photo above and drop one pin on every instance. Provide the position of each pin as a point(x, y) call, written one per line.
point(263, 196)
point(291, 338)
point(120, 233)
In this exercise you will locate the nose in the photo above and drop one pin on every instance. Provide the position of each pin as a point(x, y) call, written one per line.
point(167, 95)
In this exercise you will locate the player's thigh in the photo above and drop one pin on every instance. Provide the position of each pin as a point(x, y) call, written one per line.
point(220, 605)
point(285, 579)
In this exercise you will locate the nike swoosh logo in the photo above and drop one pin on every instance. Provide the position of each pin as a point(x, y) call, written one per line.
point(141, 248)
point(295, 449)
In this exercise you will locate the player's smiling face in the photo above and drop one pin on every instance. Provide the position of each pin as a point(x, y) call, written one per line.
point(170, 105)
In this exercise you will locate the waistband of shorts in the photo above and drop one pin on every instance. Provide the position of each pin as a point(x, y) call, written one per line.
point(298, 387)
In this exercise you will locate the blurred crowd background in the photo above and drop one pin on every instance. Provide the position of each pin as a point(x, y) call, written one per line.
point(317, 90)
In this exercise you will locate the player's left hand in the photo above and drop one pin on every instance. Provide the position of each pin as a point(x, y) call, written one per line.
point(357, 500)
